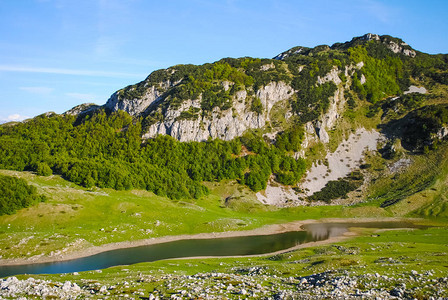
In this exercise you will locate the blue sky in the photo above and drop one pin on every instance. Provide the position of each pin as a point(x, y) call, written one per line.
point(55, 54)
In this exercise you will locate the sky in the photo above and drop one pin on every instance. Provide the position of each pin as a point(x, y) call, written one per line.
point(56, 54)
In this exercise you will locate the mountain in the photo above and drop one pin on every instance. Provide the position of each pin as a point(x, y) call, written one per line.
point(293, 128)
point(228, 97)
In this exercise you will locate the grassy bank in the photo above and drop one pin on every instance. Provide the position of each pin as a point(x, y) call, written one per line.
point(411, 260)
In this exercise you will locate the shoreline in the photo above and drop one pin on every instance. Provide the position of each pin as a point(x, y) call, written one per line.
point(264, 230)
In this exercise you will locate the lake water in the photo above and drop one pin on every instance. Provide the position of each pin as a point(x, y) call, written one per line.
point(234, 246)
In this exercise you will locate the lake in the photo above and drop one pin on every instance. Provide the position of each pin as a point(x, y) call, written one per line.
point(232, 246)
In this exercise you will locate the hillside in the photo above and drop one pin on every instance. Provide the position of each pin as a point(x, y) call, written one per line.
point(294, 128)
point(349, 133)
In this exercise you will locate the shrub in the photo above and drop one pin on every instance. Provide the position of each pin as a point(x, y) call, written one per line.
point(15, 194)
point(338, 188)
point(42, 169)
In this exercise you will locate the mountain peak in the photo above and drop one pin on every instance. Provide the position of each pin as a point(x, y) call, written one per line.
point(394, 44)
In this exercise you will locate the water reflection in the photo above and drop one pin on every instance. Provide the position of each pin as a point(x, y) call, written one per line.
point(319, 232)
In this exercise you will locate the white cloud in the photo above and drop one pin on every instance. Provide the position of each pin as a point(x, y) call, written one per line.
point(26, 69)
point(41, 90)
point(14, 117)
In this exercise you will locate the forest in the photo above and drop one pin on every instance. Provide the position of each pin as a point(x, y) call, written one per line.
point(15, 194)
point(107, 151)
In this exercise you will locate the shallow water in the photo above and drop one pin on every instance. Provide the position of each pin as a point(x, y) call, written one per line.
point(234, 246)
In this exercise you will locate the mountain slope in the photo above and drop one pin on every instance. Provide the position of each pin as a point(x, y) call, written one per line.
point(262, 122)
point(224, 99)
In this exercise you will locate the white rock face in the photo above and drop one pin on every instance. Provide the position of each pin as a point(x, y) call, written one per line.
point(226, 124)
point(82, 108)
point(273, 93)
point(442, 133)
point(362, 79)
point(328, 120)
point(290, 52)
point(332, 76)
point(267, 67)
point(415, 89)
point(135, 107)
point(322, 133)
point(371, 36)
point(310, 136)
point(396, 48)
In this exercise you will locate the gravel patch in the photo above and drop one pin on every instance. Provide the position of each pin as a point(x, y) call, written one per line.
point(347, 157)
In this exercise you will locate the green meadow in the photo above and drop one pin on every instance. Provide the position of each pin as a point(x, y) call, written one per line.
point(74, 218)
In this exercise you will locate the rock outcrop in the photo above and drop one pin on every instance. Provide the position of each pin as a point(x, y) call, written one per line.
point(223, 124)
point(82, 109)
point(188, 120)
point(138, 105)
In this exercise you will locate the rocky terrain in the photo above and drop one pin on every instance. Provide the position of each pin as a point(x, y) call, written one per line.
point(248, 283)
point(154, 95)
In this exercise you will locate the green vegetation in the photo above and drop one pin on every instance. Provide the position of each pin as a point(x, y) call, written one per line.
point(103, 184)
point(390, 189)
point(290, 139)
point(398, 106)
point(339, 188)
point(385, 260)
point(270, 159)
point(425, 126)
point(75, 218)
point(15, 194)
point(257, 106)
point(190, 114)
point(381, 74)
point(107, 151)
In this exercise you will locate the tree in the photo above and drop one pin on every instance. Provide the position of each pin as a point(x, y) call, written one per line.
point(42, 169)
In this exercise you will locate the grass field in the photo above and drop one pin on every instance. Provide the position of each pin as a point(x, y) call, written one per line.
point(411, 262)
point(419, 190)
point(74, 218)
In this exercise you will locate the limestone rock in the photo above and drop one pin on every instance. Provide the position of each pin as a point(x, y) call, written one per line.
point(322, 133)
point(82, 109)
point(362, 79)
point(415, 89)
point(136, 106)
point(401, 48)
point(223, 124)
point(133, 106)
point(442, 133)
point(332, 76)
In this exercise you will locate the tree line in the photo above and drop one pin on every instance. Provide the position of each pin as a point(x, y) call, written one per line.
point(106, 150)
point(15, 194)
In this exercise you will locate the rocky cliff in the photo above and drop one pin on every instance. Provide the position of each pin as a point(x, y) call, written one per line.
point(178, 102)
point(302, 85)
point(224, 124)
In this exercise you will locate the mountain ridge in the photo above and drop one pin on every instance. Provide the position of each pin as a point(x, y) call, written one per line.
point(149, 98)
point(266, 123)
